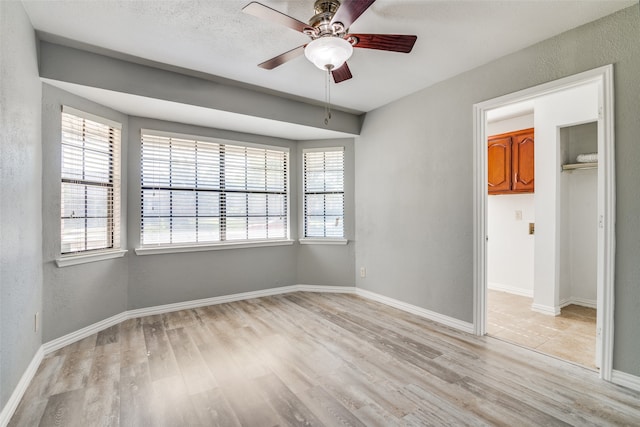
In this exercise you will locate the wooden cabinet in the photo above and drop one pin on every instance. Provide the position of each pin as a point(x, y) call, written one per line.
point(510, 162)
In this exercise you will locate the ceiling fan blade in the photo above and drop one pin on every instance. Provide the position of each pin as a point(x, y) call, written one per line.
point(341, 74)
point(392, 42)
point(265, 12)
point(281, 59)
point(350, 10)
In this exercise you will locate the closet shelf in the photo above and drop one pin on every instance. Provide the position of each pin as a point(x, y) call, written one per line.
point(579, 166)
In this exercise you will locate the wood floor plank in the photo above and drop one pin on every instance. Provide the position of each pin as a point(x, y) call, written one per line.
point(310, 359)
point(195, 372)
point(108, 336)
point(286, 404)
point(64, 409)
point(162, 362)
point(434, 409)
point(171, 402)
point(135, 396)
point(328, 409)
point(102, 406)
point(102, 397)
point(42, 384)
point(29, 412)
point(212, 409)
point(74, 373)
point(249, 405)
point(178, 319)
point(133, 349)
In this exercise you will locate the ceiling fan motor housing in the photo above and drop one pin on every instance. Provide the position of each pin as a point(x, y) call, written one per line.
point(321, 21)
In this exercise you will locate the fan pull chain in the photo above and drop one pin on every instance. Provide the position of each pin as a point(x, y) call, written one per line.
point(327, 97)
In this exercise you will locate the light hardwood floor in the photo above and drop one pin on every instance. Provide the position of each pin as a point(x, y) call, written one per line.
point(310, 359)
point(570, 336)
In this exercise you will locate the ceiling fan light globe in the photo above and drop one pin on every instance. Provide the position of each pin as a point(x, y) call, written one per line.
point(328, 53)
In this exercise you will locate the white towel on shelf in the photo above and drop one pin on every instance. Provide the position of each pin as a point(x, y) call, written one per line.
point(587, 158)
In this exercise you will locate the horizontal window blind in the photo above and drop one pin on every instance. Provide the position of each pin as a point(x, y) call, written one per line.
point(324, 193)
point(90, 183)
point(197, 191)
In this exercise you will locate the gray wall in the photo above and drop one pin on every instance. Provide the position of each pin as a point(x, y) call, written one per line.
point(79, 295)
point(72, 65)
point(332, 265)
point(176, 277)
point(414, 221)
point(20, 196)
point(98, 290)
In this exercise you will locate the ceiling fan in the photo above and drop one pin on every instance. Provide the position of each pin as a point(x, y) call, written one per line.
point(331, 43)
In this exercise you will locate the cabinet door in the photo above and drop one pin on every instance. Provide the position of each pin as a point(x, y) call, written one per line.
point(523, 164)
point(499, 165)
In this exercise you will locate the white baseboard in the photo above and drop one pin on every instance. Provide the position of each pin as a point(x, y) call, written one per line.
point(583, 302)
point(625, 380)
point(70, 338)
point(186, 305)
point(546, 309)
point(330, 289)
point(419, 311)
point(18, 392)
point(510, 289)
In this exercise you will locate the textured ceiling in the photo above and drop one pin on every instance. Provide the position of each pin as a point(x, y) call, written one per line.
point(215, 37)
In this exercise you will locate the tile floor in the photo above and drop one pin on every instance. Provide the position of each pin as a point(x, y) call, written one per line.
point(570, 336)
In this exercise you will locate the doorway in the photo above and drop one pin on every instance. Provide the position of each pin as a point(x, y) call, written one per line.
point(596, 104)
point(511, 207)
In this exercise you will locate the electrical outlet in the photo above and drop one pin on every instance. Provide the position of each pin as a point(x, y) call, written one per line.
point(363, 272)
point(518, 215)
point(36, 321)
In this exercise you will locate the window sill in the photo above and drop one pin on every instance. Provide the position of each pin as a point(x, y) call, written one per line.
point(154, 250)
point(69, 260)
point(323, 241)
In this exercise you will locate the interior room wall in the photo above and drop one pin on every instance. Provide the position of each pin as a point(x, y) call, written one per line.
point(20, 197)
point(579, 216)
point(510, 124)
point(79, 295)
point(510, 247)
point(87, 68)
point(322, 264)
point(414, 181)
point(176, 277)
point(572, 106)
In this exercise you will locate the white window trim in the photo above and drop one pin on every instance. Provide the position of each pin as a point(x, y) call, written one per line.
point(155, 250)
point(117, 250)
point(200, 247)
point(69, 260)
point(322, 241)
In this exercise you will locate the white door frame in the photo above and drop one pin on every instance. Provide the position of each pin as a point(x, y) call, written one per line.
point(603, 77)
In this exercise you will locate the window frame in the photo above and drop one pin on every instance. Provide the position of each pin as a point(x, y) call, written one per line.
point(304, 240)
point(159, 248)
point(114, 186)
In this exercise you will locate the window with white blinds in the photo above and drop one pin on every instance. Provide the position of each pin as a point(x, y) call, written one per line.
point(197, 191)
point(323, 192)
point(90, 183)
